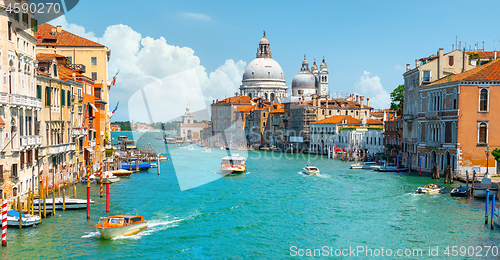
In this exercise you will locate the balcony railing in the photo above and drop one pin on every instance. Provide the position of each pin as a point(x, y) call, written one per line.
point(78, 67)
point(4, 98)
point(60, 148)
point(92, 143)
point(15, 99)
point(77, 132)
point(38, 139)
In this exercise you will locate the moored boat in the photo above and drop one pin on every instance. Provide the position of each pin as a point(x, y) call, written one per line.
point(311, 170)
point(479, 189)
point(121, 173)
point(363, 165)
point(142, 166)
point(461, 191)
point(121, 225)
point(27, 219)
point(430, 189)
point(233, 164)
point(69, 203)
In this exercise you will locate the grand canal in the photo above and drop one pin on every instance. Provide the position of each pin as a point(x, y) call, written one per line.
point(261, 214)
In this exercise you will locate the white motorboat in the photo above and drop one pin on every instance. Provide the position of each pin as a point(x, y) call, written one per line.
point(108, 176)
point(233, 164)
point(27, 219)
point(207, 150)
point(154, 165)
point(190, 148)
point(311, 170)
point(69, 203)
point(430, 189)
point(363, 165)
point(479, 189)
point(91, 179)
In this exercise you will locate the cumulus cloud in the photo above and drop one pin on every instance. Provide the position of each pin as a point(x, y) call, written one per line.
point(196, 16)
point(143, 60)
point(372, 88)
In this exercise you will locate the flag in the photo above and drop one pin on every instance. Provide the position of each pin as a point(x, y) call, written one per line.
point(116, 107)
point(114, 78)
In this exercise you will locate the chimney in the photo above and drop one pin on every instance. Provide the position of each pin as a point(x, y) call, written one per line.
point(327, 98)
point(408, 67)
point(367, 101)
point(357, 99)
point(495, 55)
point(362, 100)
point(440, 63)
point(417, 63)
point(59, 29)
point(54, 30)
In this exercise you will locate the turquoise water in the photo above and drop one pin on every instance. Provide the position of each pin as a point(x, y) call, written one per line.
point(261, 214)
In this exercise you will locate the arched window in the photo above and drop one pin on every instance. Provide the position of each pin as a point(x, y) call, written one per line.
point(265, 96)
point(483, 133)
point(483, 100)
point(272, 97)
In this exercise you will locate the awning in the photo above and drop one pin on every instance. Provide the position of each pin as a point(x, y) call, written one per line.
point(2, 123)
point(93, 107)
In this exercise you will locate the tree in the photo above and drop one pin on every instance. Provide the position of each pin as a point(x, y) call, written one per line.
point(496, 154)
point(397, 97)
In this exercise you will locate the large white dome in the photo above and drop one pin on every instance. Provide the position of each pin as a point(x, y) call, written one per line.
point(304, 79)
point(263, 69)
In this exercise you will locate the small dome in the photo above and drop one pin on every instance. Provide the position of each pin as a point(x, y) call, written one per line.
point(264, 41)
point(314, 66)
point(304, 79)
point(323, 64)
point(263, 68)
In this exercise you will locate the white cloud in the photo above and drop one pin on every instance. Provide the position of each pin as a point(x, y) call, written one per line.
point(398, 67)
point(144, 60)
point(197, 16)
point(372, 88)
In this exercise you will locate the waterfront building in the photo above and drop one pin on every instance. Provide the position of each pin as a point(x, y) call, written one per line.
point(115, 128)
point(263, 77)
point(393, 133)
point(20, 107)
point(455, 119)
point(262, 122)
point(227, 121)
point(55, 87)
point(189, 130)
point(309, 82)
point(91, 60)
point(365, 137)
point(428, 70)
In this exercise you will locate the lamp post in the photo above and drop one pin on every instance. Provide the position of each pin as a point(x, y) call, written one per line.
point(487, 151)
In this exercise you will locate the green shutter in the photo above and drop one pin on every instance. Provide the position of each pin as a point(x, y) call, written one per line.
point(69, 98)
point(39, 91)
point(47, 96)
point(34, 25)
point(63, 97)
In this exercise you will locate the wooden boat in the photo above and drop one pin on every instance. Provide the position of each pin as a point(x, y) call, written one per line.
point(121, 173)
point(233, 164)
point(27, 219)
point(461, 191)
point(430, 189)
point(363, 165)
point(69, 203)
point(311, 170)
point(121, 225)
point(479, 189)
point(108, 176)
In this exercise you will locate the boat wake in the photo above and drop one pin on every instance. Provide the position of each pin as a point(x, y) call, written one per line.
point(91, 234)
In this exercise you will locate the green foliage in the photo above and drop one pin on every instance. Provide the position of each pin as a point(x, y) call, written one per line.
point(109, 152)
point(124, 125)
point(397, 97)
point(348, 128)
point(496, 154)
point(376, 127)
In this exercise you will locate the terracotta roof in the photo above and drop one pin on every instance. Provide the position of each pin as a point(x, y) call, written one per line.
point(245, 108)
point(2, 123)
point(488, 72)
point(279, 110)
point(338, 120)
point(484, 54)
point(47, 57)
point(64, 38)
point(374, 122)
point(237, 99)
point(41, 73)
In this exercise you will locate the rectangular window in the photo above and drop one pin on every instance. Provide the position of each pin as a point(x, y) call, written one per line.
point(14, 170)
point(69, 98)
point(426, 77)
point(39, 91)
point(9, 29)
point(55, 70)
point(34, 25)
point(93, 61)
point(94, 76)
point(63, 97)
point(47, 96)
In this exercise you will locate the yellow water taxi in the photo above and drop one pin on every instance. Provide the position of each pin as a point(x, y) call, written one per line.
point(121, 225)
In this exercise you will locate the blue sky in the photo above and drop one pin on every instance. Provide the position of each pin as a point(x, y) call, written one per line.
point(366, 44)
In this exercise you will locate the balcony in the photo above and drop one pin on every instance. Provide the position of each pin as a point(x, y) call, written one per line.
point(408, 117)
point(24, 141)
point(92, 143)
point(14, 179)
point(78, 131)
point(31, 140)
point(433, 114)
point(38, 139)
point(60, 148)
point(4, 98)
point(433, 144)
point(15, 99)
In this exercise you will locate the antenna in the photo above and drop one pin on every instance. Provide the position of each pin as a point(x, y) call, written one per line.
point(456, 39)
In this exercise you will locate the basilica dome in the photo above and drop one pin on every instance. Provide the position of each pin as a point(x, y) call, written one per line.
point(304, 79)
point(263, 69)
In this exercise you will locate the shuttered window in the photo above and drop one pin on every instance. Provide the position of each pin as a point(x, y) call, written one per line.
point(69, 98)
point(63, 97)
point(482, 133)
point(47, 96)
point(39, 91)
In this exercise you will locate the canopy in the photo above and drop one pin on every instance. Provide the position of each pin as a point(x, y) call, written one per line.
point(13, 213)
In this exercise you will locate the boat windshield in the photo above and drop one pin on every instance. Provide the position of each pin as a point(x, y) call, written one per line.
point(116, 221)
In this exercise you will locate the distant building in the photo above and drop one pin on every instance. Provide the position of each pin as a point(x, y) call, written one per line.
point(115, 128)
point(188, 129)
point(393, 134)
point(307, 82)
point(228, 123)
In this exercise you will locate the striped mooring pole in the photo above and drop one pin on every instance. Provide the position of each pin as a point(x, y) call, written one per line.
point(88, 192)
point(100, 171)
point(4, 222)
